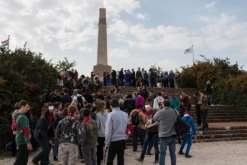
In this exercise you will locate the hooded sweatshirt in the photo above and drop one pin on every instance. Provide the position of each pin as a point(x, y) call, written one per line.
point(22, 129)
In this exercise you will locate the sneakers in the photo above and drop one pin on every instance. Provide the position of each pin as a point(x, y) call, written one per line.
point(180, 153)
point(139, 160)
point(35, 162)
point(188, 156)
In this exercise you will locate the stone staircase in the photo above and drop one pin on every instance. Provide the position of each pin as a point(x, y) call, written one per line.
point(226, 122)
point(223, 134)
point(167, 91)
point(217, 114)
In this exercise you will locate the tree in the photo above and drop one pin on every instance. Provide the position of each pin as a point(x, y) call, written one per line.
point(64, 65)
point(25, 74)
point(228, 79)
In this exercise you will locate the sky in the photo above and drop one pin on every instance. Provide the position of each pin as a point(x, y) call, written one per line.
point(141, 33)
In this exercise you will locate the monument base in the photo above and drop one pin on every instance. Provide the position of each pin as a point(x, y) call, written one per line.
point(100, 69)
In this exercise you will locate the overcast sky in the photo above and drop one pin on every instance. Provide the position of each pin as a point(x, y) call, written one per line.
point(140, 32)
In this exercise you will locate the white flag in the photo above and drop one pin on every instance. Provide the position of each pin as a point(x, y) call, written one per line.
point(189, 50)
point(5, 43)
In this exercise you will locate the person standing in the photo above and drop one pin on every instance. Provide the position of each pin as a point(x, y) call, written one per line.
point(174, 103)
point(22, 137)
point(187, 137)
point(138, 120)
point(88, 138)
point(171, 78)
point(166, 118)
point(67, 134)
point(13, 128)
point(204, 113)
point(209, 92)
point(156, 103)
point(198, 99)
point(41, 136)
point(58, 116)
point(101, 117)
point(151, 137)
point(121, 77)
point(114, 77)
point(115, 134)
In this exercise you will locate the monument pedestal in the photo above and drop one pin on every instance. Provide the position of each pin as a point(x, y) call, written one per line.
point(100, 69)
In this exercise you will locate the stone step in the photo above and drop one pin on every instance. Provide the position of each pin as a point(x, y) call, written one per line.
point(219, 139)
point(223, 118)
point(222, 135)
point(224, 110)
point(226, 120)
point(225, 128)
point(214, 132)
point(224, 114)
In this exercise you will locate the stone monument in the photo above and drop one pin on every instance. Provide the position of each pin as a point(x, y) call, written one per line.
point(102, 64)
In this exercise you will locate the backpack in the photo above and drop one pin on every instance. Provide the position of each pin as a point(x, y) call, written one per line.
point(13, 125)
point(181, 127)
point(135, 120)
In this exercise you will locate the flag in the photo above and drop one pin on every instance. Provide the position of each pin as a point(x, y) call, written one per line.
point(25, 45)
point(189, 50)
point(5, 43)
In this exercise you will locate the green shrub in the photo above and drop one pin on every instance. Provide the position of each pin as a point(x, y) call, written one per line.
point(229, 81)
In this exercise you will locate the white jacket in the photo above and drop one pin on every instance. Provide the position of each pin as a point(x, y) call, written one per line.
point(116, 125)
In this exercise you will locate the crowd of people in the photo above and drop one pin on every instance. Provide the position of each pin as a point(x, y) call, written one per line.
point(80, 122)
point(140, 77)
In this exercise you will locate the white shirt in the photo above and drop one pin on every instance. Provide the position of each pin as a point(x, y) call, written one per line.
point(101, 122)
point(156, 102)
point(116, 125)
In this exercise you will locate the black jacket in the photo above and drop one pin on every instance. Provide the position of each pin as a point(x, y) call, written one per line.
point(41, 131)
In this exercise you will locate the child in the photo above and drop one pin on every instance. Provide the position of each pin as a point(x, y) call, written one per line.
point(89, 137)
point(187, 138)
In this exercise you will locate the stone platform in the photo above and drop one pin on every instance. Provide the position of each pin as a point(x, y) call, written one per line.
point(215, 153)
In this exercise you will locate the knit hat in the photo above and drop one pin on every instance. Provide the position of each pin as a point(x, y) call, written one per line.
point(139, 101)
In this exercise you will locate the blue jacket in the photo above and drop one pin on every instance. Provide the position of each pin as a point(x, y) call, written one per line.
point(189, 121)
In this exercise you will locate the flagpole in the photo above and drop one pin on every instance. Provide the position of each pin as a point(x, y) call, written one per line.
point(8, 41)
point(193, 54)
point(25, 45)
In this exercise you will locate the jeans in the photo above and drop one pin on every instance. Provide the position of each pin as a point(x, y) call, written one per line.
point(151, 138)
point(43, 154)
point(89, 154)
point(187, 139)
point(55, 147)
point(138, 133)
point(204, 119)
point(210, 99)
point(171, 143)
point(100, 149)
point(198, 114)
point(22, 155)
point(116, 148)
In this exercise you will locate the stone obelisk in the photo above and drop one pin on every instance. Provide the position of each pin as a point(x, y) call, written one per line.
point(102, 64)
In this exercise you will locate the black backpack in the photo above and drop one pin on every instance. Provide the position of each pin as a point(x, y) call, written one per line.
point(135, 120)
point(181, 127)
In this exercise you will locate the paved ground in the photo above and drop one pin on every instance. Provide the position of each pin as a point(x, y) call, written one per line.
point(215, 153)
